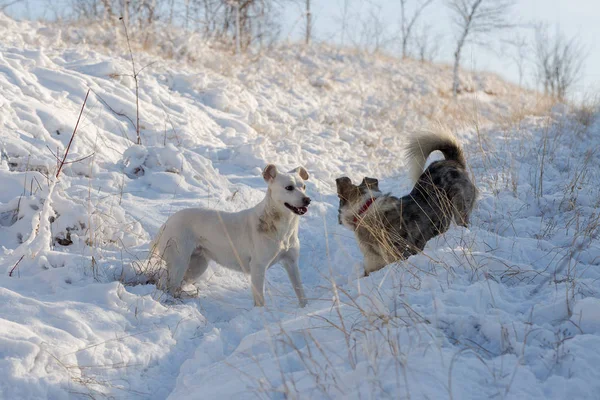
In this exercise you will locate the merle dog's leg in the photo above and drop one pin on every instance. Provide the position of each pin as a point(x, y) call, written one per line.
point(373, 261)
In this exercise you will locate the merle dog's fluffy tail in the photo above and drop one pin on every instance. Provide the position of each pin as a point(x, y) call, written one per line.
point(420, 146)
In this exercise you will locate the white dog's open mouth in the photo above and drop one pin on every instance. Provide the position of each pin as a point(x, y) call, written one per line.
point(297, 210)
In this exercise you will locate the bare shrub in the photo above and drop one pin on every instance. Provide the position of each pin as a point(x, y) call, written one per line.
point(427, 44)
point(558, 61)
point(408, 23)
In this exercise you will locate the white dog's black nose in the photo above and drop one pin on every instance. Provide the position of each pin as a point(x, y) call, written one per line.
point(306, 201)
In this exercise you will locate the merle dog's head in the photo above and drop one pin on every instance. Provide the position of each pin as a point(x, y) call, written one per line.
point(351, 196)
point(288, 189)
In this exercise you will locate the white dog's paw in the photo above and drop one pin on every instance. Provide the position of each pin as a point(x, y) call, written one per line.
point(259, 302)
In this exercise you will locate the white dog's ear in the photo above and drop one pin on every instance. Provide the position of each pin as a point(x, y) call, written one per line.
point(300, 171)
point(269, 173)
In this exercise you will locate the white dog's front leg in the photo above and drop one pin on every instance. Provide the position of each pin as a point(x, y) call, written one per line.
point(257, 281)
point(290, 263)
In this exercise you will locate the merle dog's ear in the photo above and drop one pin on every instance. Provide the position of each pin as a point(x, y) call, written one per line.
point(343, 184)
point(269, 173)
point(300, 171)
point(370, 183)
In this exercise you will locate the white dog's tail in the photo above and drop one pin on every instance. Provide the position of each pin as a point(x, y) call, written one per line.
point(423, 144)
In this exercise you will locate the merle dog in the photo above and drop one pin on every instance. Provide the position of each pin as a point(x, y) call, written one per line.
point(388, 228)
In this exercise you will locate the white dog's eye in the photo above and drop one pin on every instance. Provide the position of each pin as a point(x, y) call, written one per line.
point(290, 188)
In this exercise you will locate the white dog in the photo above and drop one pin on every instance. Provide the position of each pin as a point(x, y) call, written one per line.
point(250, 241)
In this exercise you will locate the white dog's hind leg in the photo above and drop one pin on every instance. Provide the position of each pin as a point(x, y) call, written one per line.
point(197, 266)
point(177, 257)
point(290, 263)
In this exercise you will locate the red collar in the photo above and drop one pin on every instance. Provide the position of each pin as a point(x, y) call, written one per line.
point(363, 209)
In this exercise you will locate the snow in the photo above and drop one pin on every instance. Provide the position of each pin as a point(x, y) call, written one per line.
point(507, 308)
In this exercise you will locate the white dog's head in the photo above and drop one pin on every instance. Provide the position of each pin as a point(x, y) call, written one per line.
point(288, 190)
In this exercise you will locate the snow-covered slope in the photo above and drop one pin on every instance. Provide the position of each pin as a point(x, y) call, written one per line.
point(508, 308)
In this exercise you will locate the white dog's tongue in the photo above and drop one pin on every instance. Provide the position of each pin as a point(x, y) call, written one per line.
point(297, 210)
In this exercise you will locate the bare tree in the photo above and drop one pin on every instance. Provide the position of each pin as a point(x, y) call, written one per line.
point(248, 21)
point(88, 9)
point(407, 24)
point(427, 45)
point(304, 9)
point(373, 35)
point(108, 9)
point(308, 22)
point(519, 50)
point(474, 19)
point(140, 12)
point(53, 11)
point(558, 61)
point(344, 19)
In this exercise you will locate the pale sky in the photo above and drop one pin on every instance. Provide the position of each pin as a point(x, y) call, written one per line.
point(572, 17)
